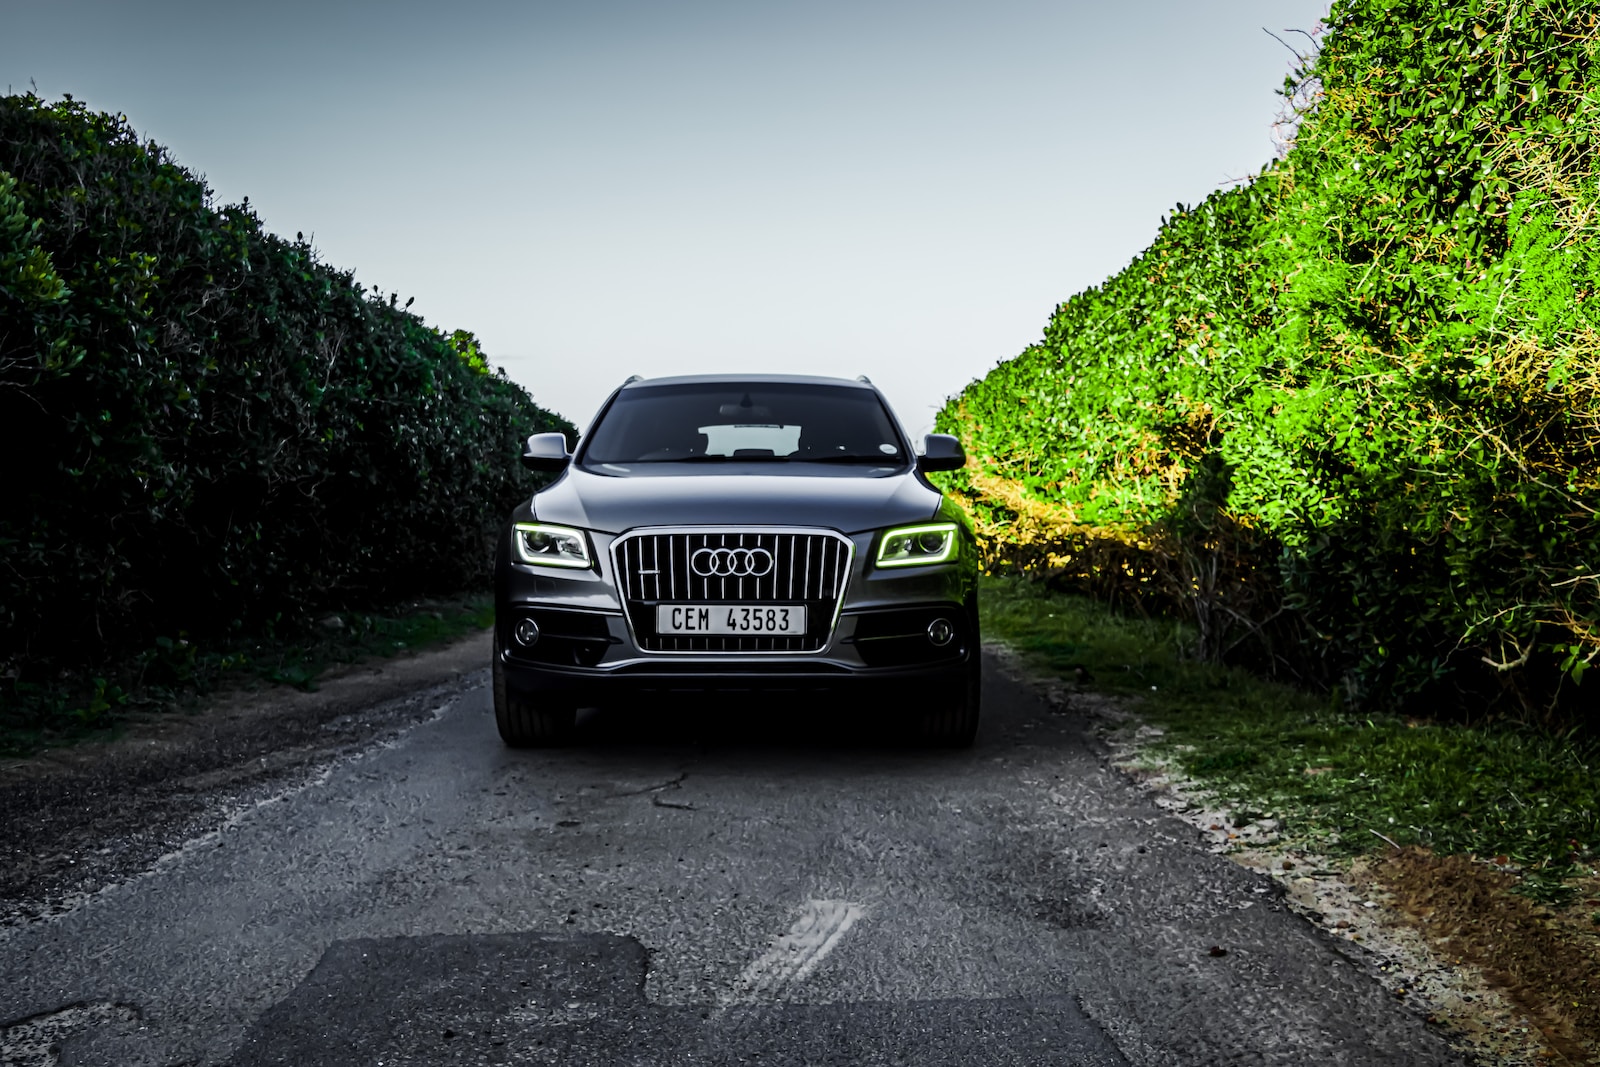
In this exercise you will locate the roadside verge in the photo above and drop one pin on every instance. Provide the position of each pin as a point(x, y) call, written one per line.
point(1503, 955)
point(78, 818)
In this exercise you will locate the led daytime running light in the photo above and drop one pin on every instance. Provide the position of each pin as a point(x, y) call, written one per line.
point(909, 546)
point(550, 546)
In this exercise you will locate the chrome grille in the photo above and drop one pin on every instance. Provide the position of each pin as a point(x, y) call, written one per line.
point(807, 568)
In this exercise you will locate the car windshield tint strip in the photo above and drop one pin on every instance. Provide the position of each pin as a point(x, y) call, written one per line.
point(724, 422)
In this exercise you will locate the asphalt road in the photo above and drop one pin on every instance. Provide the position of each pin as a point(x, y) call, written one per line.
point(760, 883)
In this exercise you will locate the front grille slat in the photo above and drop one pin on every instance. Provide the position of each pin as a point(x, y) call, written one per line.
point(808, 568)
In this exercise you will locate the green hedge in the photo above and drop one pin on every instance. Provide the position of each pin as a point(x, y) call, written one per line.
point(207, 427)
point(1347, 415)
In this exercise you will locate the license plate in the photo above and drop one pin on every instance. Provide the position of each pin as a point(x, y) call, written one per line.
point(726, 619)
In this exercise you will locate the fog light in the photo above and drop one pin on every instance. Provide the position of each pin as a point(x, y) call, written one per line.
point(527, 632)
point(940, 632)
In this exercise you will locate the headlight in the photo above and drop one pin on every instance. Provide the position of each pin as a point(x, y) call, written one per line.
point(911, 546)
point(550, 546)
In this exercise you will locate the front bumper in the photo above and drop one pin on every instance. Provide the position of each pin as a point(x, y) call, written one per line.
point(586, 651)
point(587, 687)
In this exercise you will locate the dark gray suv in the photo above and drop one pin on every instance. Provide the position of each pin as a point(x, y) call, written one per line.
point(738, 533)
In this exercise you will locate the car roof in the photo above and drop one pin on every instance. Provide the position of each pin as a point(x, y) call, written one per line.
point(730, 379)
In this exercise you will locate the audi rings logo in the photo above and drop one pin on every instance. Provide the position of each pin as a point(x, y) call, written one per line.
point(731, 562)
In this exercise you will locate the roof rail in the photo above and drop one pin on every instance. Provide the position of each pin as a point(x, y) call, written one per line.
point(863, 378)
point(634, 378)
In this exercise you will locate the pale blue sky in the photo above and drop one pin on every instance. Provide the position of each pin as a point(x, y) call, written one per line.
point(600, 189)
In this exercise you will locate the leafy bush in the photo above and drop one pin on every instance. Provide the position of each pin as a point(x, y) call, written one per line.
point(1346, 415)
point(208, 427)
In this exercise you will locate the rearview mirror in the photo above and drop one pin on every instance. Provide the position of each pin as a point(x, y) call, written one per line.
point(941, 452)
point(546, 452)
point(749, 413)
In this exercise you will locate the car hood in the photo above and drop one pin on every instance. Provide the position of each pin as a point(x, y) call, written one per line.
point(843, 500)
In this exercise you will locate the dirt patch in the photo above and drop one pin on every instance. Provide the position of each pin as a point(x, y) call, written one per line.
point(75, 819)
point(1546, 960)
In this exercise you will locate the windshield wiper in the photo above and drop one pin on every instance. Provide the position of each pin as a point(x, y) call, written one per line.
point(731, 459)
point(714, 459)
point(844, 457)
point(836, 457)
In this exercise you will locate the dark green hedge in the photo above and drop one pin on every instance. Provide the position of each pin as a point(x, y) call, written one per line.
point(1347, 415)
point(207, 427)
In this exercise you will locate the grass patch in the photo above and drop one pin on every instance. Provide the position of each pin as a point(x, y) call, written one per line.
point(175, 671)
point(1334, 778)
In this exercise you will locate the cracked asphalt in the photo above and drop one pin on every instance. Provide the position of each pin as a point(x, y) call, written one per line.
point(757, 882)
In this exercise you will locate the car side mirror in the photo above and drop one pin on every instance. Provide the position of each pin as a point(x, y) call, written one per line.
point(941, 452)
point(546, 452)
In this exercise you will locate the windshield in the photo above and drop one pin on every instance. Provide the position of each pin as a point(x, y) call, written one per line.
point(756, 421)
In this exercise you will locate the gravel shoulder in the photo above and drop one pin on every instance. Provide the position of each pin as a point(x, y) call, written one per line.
point(76, 819)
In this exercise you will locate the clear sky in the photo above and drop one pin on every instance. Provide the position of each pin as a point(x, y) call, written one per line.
point(597, 189)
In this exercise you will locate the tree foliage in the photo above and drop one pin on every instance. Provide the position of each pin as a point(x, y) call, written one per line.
point(1347, 414)
point(206, 425)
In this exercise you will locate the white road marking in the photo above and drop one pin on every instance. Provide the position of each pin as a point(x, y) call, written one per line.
point(817, 931)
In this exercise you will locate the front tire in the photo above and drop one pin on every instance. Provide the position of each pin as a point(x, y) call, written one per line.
point(952, 721)
point(529, 723)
